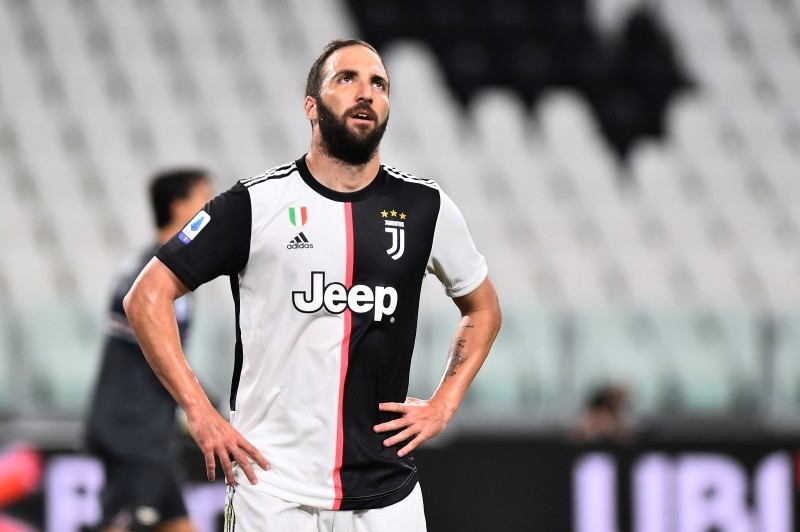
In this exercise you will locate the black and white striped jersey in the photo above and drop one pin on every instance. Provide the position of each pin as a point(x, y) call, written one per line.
point(326, 288)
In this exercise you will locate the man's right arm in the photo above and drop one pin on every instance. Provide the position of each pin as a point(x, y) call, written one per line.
point(149, 307)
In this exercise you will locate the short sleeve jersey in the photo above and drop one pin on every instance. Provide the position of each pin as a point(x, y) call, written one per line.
point(326, 287)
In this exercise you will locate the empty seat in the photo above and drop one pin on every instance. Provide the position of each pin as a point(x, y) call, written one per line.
point(785, 375)
point(622, 346)
point(7, 361)
point(713, 358)
point(95, 98)
point(531, 342)
point(64, 345)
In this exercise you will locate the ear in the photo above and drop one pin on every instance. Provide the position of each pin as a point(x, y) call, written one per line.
point(311, 108)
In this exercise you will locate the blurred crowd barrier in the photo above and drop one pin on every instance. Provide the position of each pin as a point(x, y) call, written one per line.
point(744, 484)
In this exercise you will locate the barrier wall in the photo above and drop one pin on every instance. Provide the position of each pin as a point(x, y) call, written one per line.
point(502, 484)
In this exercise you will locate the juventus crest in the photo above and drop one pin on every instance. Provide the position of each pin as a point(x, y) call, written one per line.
point(396, 228)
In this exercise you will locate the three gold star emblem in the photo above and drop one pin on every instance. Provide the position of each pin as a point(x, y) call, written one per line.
point(394, 213)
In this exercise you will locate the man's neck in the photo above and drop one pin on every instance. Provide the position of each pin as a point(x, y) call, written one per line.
point(338, 175)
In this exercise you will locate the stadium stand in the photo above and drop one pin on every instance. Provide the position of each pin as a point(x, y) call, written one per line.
point(785, 368)
point(629, 168)
point(5, 362)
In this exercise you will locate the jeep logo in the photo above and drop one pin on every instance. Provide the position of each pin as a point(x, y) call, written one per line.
point(335, 298)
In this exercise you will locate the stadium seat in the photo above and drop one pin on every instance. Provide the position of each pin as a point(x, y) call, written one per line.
point(531, 340)
point(64, 345)
point(785, 374)
point(622, 346)
point(8, 354)
point(540, 119)
point(713, 358)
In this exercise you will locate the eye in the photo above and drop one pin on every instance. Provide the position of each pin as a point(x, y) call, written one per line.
point(381, 85)
point(346, 79)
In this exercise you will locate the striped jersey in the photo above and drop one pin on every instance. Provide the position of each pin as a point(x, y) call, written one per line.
point(326, 287)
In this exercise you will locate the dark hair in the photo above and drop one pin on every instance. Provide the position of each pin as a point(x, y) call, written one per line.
point(171, 185)
point(610, 396)
point(314, 80)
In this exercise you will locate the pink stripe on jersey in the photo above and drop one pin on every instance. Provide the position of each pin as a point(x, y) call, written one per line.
point(348, 323)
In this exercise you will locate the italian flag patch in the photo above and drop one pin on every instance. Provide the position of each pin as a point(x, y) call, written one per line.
point(298, 216)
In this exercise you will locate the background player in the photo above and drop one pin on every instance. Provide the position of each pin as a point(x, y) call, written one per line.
point(326, 329)
point(131, 423)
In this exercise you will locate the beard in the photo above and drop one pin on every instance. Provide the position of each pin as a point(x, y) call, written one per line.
point(341, 143)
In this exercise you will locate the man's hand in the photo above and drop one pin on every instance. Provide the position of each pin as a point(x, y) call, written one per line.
point(216, 437)
point(419, 419)
point(422, 420)
point(150, 311)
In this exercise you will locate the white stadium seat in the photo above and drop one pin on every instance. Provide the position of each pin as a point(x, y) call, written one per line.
point(707, 217)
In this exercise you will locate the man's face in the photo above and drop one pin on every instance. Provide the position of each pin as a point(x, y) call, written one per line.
point(353, 107)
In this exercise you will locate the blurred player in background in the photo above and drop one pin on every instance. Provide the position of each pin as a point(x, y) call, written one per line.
point(131, 424)
point(606, 417)
point(326, 257)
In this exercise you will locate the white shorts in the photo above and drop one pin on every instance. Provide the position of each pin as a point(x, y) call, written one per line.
point(249, 510)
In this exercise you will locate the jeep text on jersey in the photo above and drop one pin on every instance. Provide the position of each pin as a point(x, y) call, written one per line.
point(335, 298)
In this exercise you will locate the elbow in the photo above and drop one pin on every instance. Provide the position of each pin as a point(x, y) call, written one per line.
point(128, 302)
point(136, 299)
point(495, 311)
point(492, 316)
point(153, 291)
point(498, 317)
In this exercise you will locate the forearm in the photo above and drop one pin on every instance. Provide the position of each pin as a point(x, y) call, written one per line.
point(421, 420)
point(149, 306)
point(468, 350)
point(152, 317)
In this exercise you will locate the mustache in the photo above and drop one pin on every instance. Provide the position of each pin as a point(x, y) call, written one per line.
point(363, 107)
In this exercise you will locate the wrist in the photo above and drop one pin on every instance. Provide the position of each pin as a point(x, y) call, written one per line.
point(447, 405)
point(195, 407)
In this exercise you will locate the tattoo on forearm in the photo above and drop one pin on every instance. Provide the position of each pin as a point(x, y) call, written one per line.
point(456, 357)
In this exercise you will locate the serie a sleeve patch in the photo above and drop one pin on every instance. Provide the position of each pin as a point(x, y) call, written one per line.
point(194, 227)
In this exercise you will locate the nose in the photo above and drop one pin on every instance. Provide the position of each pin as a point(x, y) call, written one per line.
point(364, 92)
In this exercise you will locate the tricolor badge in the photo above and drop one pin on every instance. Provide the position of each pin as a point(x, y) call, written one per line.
point(298, 216)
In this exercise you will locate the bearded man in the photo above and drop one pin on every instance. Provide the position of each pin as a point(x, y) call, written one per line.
point(326, 257)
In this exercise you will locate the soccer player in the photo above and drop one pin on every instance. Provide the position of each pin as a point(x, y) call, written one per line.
point(131, 421)
point(326, 257)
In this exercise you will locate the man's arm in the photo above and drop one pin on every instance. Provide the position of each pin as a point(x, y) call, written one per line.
point(149, 306)
point(422, 420)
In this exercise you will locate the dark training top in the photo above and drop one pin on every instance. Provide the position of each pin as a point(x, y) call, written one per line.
point(132, 415)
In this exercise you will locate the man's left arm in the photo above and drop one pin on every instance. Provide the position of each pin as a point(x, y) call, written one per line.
point(421, 419)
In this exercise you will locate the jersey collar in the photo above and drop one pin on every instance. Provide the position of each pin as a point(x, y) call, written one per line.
point(335, 195)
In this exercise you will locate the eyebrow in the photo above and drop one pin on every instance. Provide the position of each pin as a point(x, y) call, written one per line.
point(385, 81)
point(352, 73)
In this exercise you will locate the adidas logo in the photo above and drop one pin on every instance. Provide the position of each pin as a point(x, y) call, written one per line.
point(299, 242)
